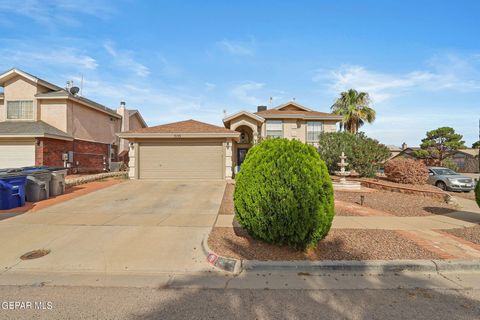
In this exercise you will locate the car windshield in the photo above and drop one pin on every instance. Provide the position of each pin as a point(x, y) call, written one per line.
point(444, 172)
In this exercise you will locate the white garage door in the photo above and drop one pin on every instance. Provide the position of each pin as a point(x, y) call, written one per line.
point(17, 154)
point(181, 160)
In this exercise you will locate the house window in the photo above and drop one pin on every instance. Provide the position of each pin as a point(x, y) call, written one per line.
point(314, 129)
point(275, 128)
point(20, 110)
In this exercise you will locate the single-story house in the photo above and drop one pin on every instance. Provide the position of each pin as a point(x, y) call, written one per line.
point(44, 124)
point(467, 160)
point(196, 150)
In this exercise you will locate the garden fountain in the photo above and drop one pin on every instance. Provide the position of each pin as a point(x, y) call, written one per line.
point(344, 184)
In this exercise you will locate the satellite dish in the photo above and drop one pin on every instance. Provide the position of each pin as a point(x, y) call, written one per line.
point(74, 90)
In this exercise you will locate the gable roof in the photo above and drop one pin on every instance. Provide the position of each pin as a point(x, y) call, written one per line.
point(13, 72)
point(33, 129)
point(56, 93)
point(135, 112)
point(292, 103)
point(182, 129)
point(243, 113)
point(470, 151)
point(303, 114)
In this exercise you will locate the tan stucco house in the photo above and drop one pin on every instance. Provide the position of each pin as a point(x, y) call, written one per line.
point(195, 150)
point(44, 124)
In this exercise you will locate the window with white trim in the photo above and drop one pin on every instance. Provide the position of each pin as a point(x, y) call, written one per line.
point(314, 129)
point(274, 128)
point(20, 110)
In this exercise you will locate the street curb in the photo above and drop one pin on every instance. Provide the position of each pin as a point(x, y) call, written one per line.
point(379, 266)
point(225, 264)
point(236, 266)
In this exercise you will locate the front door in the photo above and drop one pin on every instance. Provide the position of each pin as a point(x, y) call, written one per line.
point(241, 154)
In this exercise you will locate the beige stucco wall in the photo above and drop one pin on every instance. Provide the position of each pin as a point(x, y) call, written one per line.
point(19, 88)
point(88, 124)
point(134, 123)
point(297, 129)
point(329, 126)
point(54, 112)
point(3, 112)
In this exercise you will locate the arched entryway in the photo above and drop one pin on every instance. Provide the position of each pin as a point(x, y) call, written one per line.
point(244, 144)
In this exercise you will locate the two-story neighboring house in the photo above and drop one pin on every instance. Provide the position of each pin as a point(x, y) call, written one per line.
point(44, 124)
point(195, 150)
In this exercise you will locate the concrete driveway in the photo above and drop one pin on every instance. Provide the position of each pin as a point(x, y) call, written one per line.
point(136, 226)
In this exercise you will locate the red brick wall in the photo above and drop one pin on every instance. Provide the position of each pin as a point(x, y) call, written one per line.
point(88, 157)
point(48, 152)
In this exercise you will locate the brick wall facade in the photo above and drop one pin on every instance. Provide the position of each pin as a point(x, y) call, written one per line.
point(88, 157)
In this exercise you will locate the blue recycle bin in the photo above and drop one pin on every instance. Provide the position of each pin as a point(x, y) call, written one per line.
point(12, 191)
point(33, 168)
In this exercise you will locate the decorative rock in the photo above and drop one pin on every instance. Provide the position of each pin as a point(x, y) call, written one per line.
point(94, 177)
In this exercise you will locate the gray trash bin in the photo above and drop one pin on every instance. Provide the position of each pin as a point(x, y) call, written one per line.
point(57, 184)
point(38, 185)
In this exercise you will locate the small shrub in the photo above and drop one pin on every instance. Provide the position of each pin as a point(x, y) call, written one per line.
point(364, 154)
point(450, 164)
point(283, 194)
point(477, 193)
point(405, 170)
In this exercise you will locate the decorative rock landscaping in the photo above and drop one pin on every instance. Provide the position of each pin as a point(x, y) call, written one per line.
point(338, 245)
point(78, 180)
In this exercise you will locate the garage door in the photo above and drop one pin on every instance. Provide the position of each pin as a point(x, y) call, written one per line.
point(15, 154)
point(170, 160)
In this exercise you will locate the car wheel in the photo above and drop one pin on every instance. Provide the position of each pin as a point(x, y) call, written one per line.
point(441, 185)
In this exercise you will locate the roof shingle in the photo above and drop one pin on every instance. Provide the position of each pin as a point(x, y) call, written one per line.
point(30, 128)
point(295, 112)
point(187, 126)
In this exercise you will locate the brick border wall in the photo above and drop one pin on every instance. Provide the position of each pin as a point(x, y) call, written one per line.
point(90, 156)
point(400, 189)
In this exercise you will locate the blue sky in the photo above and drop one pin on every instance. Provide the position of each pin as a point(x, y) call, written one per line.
point(419, 60)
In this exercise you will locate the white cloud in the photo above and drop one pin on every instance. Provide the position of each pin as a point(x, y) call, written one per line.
point(445, 72)
point(66, 57)
point(56, 12)
point(210, 86)
point(243, 92)
point(156, 105)
point(124, 59)
point(239, 48)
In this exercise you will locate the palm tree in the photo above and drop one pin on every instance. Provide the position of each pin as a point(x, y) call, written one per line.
point(355, 109)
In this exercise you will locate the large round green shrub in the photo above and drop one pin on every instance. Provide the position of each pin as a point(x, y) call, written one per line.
point(283, 194)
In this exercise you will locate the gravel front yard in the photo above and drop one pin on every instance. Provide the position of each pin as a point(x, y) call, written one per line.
point(395, 203)
point(471, 234)
point(342, 244)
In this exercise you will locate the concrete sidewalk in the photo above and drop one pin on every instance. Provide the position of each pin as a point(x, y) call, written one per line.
point(452, 220)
